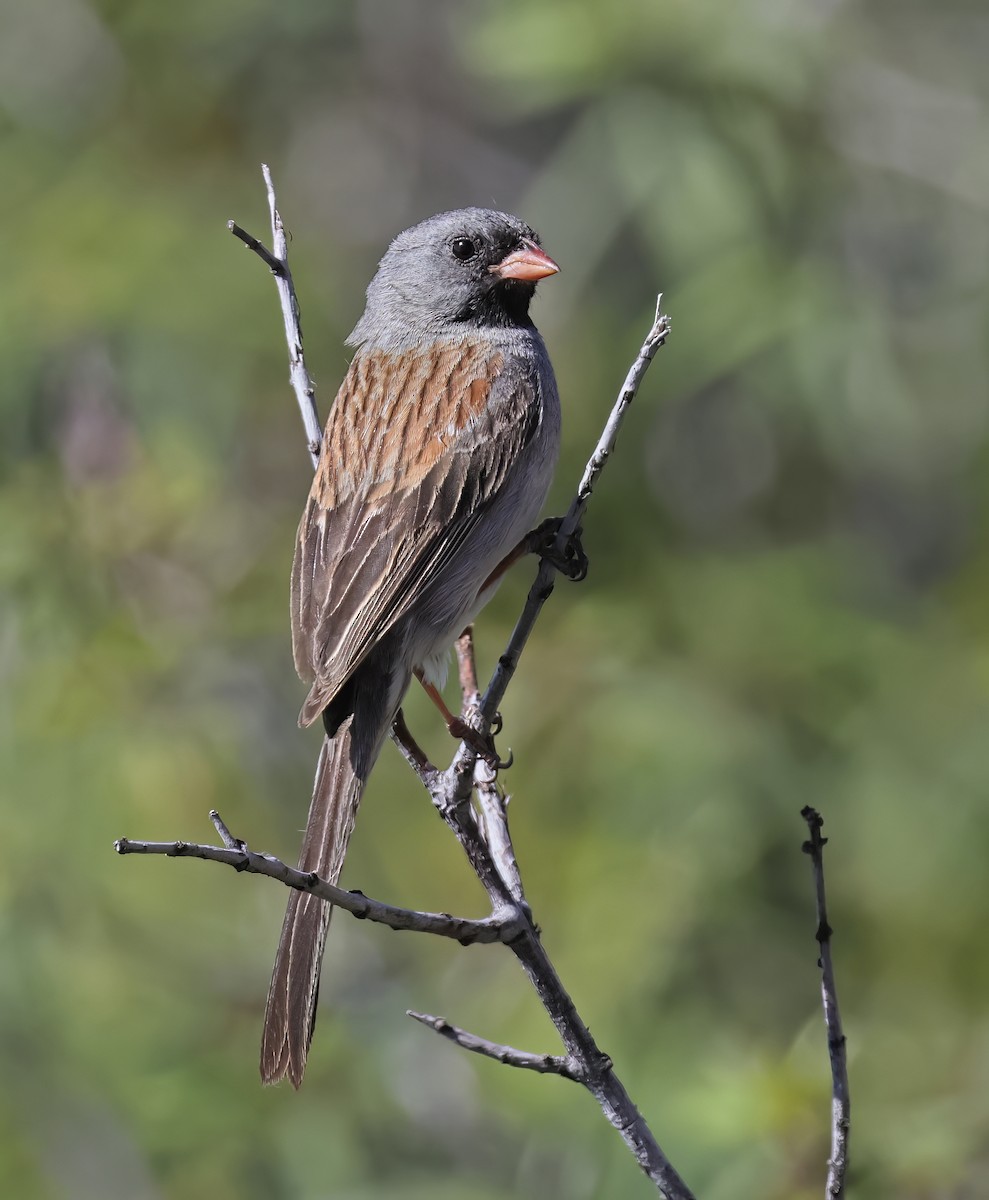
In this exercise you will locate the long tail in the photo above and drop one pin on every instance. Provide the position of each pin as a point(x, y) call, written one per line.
point(291, 1010)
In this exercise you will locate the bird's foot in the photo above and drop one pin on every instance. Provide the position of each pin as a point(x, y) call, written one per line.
point(482, 743)
point(571, 561)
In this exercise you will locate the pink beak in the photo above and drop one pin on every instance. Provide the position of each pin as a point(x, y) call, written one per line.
point(529, 263)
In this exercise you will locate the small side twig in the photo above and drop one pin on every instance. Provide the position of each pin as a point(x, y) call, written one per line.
point(228, 839)
point(543, 1064)
point(841, 1105)
point(274, 265)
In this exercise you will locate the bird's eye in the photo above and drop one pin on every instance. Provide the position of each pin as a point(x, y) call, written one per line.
point(463, 248)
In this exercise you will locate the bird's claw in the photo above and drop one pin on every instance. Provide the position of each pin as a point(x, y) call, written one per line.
point(482, 744)
point(572, 560)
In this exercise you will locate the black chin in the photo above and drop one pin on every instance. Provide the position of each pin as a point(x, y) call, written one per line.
point(515, 296)
point(505, 303)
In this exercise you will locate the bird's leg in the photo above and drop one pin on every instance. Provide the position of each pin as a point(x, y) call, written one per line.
point(462, 731)
point(542, 541)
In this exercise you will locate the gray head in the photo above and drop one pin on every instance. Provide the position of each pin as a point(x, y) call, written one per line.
point(472, 268)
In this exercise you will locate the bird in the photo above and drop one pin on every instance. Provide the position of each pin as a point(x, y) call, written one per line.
point(436, 460)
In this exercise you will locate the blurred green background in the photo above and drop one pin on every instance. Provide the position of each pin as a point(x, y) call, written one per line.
point(787, 600)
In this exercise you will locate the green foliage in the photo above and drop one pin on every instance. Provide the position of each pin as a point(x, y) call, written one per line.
point(786, 603)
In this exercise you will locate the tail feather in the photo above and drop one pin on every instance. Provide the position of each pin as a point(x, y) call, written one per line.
point(291, 1009)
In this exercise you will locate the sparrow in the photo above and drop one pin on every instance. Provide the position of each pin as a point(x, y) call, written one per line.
point(435, 463)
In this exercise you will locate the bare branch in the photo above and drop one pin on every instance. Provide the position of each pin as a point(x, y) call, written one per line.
point(452, 790)
point(461, 773)
point(841, 1104)
point(542, 588)
point(277, 263)
point(543, 1064)
point(238, 856)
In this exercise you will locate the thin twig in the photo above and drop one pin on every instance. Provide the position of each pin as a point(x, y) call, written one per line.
point(277, 263)
point(544, 1064)
point(491, 803)
point(841, 1104)
point(413, 753)
point(542, 587)
point(462, 768)
point(467, 667)
point(238, 856)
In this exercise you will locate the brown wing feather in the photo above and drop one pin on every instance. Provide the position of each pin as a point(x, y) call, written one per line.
point(393, 498)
